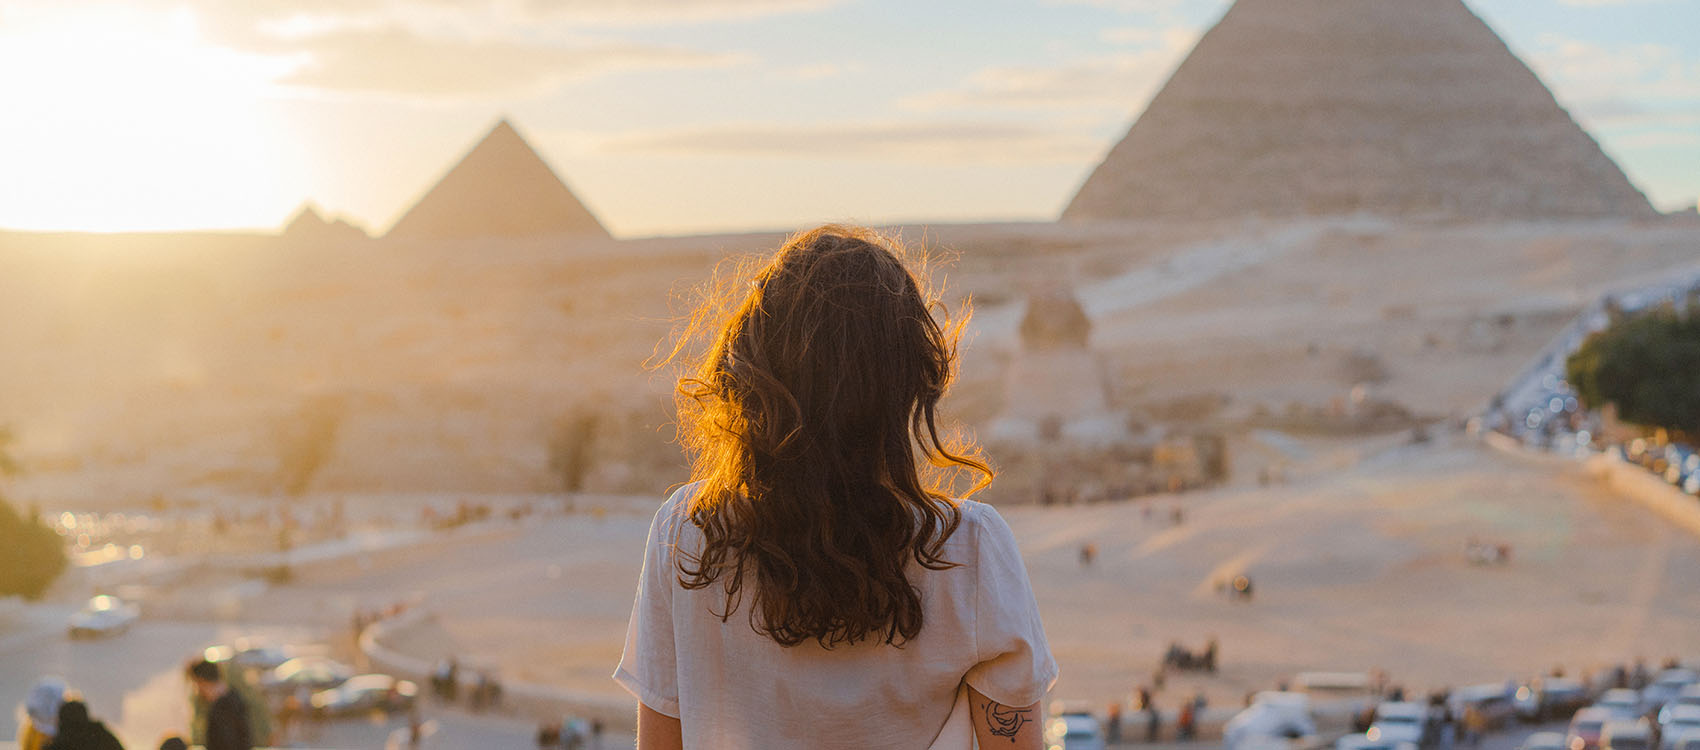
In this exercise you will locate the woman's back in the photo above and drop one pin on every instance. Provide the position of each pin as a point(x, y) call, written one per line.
point(814, 586)
point(733, 687)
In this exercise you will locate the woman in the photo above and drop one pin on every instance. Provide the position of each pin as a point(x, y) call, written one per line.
point(811, 588)
point(40, 720)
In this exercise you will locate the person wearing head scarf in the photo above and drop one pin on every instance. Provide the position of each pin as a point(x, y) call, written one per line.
point(40, 721)
point(79, 732)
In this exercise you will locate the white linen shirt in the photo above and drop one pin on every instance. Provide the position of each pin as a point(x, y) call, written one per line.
point(733, 688)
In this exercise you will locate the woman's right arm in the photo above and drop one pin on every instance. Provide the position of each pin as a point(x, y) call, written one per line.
point(998, 726)
point(658, 731)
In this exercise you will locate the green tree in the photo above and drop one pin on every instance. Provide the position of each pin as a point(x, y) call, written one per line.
point(31, 554)
point(1648, 365)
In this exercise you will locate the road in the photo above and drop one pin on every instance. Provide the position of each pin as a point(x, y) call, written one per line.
point(134, 683)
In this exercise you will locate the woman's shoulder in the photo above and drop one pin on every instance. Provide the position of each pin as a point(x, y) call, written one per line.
point(981, 517)
point(981, 526)
point(669, 518)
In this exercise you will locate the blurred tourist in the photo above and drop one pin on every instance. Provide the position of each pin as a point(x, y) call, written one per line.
point(76, 731)
point(40, 719)
point(227, 716)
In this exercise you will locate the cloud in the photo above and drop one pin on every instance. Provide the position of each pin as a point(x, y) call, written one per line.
point(949, 142)
point(820, 71)
point(1629, 84)
point(516, 15)
point(1119, 80)
point(670, 11)
point(1605, 3)
point(395, 61)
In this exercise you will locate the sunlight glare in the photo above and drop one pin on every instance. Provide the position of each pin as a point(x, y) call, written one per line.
point(131, 121)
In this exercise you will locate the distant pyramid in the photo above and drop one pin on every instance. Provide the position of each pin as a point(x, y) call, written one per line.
point(501, 188)
point(1391, 107)
point(309, 224)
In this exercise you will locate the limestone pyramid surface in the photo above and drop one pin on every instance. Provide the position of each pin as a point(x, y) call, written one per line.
point(501, 188)
point(1321, 107)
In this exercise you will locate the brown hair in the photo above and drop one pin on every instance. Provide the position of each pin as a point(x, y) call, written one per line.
point(820, 380)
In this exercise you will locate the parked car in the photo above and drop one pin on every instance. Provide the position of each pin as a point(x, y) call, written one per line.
point(1492, 701)
point(1623, 703)
point(103, 616)
point(1585, 728)
point(1398, 721)
point(1690, 696)
point(314, 673)
point(1544, 741)
point(1549, 698)
point(1688, 741)
point(1626, 735)
point(365, 693)
point(1271, 715)
point(1680, 720)
point(1666, 686)
point(1366, 742)
point(1348, 691)
point(1074, 730)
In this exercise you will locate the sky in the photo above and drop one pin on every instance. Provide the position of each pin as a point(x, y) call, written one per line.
point(680, 116)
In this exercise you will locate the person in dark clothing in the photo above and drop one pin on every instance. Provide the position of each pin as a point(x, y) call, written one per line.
point(227, 715)
point(79, 732)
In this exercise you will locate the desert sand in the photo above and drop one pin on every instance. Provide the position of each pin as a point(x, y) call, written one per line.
point(1361, 565)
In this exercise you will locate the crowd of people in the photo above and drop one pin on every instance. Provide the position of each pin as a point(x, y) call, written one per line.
point(56, 717)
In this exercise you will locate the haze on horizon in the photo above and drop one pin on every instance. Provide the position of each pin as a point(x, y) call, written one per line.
point(672, 118)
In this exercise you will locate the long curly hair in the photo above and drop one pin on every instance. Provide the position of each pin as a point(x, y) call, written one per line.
point(811, 420)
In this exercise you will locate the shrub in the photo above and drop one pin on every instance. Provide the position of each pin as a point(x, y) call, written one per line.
point(1648, 365)
point(31, 554)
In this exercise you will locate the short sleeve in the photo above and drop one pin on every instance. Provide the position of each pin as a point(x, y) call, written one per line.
point(1014, 666)
point(648, 666)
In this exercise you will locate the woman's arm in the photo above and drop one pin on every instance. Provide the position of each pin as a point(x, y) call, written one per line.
point(998, 726)
point(658, 731)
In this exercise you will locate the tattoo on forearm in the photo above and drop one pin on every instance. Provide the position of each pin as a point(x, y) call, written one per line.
point(1005, 721)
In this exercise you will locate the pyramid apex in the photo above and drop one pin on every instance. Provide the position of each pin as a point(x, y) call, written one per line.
point(309, 222)
point(307, 215)
point(1304, 107)
point(501, 187)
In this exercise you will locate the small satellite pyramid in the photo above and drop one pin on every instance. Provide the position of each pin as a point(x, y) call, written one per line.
point(501, 188)
point(309, 224)
point(1322, 107)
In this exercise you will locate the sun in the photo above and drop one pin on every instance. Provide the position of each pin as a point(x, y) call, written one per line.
point(124, 119)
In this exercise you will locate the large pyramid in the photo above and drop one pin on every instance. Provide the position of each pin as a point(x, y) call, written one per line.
point(501, 188)
point(1391, 107)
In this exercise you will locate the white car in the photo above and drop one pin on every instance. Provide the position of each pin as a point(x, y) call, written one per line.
point(1398, 721)
point(1622, 703)
point(1366, 742)
point(1690, 696)
point(1681, 720)
point(1687, 741)
point(1626, 735)
point(102, 616)
point(1667, 686)
point(1272, 715)
point(1074, 731)
point(313, 673)
point(1544, 741)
